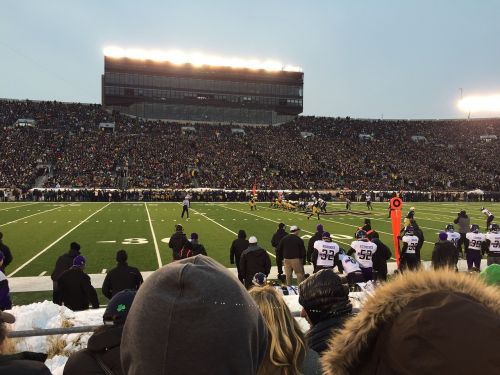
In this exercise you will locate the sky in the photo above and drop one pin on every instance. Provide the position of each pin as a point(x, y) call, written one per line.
point(363, 58)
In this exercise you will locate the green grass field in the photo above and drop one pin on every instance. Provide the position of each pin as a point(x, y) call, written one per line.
point(38, 233)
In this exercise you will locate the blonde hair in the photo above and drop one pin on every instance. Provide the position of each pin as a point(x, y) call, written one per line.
point(286, 345)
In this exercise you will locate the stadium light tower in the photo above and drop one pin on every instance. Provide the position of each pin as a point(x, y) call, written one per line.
point(480, 104)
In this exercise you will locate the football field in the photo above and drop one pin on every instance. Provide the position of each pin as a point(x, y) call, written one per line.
point(37, 233)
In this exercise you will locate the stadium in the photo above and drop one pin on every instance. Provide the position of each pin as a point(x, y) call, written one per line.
point(202, 188)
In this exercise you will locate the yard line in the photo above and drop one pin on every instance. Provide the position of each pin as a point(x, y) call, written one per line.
point(38, 213)
point(154, 237)
point(274, 221)
point(43, 273)
point(55, 242)
point(222, 226)
point(17, 206)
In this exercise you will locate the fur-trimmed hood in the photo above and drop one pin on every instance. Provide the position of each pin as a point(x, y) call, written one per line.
point(421, 323)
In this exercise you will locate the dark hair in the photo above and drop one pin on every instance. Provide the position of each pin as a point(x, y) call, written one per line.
point(121, 256)
point(242, 234)
point(178, 228)
point(1, 235)
point(74, 246)
point(323, 296)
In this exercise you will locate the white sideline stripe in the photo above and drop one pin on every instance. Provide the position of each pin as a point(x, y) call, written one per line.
point(38, 213)
point(158, 257)
point(43, 273)
point(104, 270)
point(17, 206)
point(56, 241)
point(274, 221)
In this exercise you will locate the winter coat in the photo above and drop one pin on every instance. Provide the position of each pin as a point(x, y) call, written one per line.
point(320, 333)
point(310, 245)
point(463, 223)
point(310, 366)
point(120, 278)
point(291, 247)
point(380, 258)
point(63, 263)
point(445, 254)
point(5, 301)
point(193, 317)
point(177, 242)
point(105, 343)
point(238, 246)
point(275, 241)
point(7, 255)
point(24, 363)
point(421, 323)
point(76, 290)
point(253, 260)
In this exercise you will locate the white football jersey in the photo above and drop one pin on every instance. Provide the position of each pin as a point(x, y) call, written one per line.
point(364, 252)
point(494, 242)
point(475, 240)
point(412, 242)
point(349, 263)
point(326, 253)
point(454, 237)
point(486, 212)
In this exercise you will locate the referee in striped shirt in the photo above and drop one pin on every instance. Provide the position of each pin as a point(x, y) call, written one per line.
point(185, 207)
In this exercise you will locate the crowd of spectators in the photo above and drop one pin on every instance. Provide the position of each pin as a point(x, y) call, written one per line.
point(450, 155)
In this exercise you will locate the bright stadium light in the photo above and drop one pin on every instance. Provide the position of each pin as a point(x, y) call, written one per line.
point(197, 59)
point(480, 103)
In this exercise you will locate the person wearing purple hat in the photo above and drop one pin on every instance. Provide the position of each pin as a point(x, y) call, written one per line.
point(445, 253)
point(5, 301)
point(76, 289)
point(316, 237)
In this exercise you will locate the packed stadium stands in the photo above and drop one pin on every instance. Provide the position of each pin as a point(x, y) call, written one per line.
point(68, 147)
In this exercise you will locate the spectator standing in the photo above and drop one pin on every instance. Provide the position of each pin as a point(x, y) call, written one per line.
point(75, 287)
point(421, 310)
point(325, 304)
point(381, 256)
point(5, 301)
point(275, 241)
point(287, 352)
point(63, 263)
point(315, 237)
point(445, 254)
point(463, 222)
point(253, 260)
point(177, 241)
point(103, 348)
point(121, 277)
point(239, 245)
point(292, 251)
point(179, 311)
point(24, 363)
point(6, 253)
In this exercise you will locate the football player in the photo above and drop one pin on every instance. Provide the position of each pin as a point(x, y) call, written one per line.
point(364, 250)
point(493, 244)
point(369, 201)
point(348, 204)
point(352, 268)
point(454, 237)
point(325, 253)
point(489, 217)
point(314, 210)
point(473, 246)
point(410, 257)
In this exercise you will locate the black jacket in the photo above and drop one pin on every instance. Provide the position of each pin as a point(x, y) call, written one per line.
point(310, 245)
point(275, 241)
point(7, 255)
point(238, 246)
point(380, 258)
point(291, 247)
point(445, 254)
point(104, 343)
point(319, 334)
point(253, 260)
point(197, 249)
point(120, 278)
point(25, 363)
point(177, 242)
point(63, 263)
point(76, 290)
